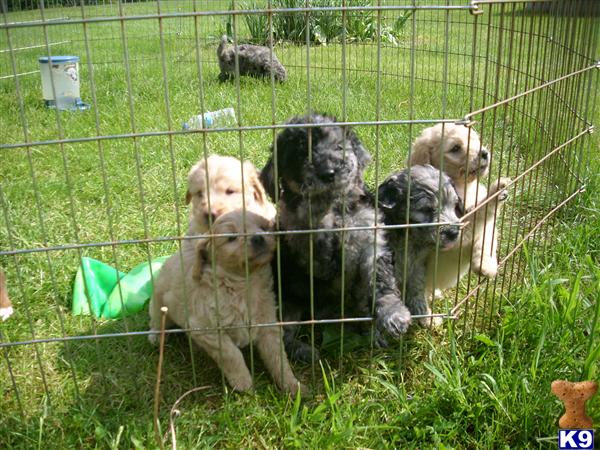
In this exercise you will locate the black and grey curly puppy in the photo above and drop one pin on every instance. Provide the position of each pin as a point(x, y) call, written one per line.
point(253, 60)
point(325, 190)
point(419, 195)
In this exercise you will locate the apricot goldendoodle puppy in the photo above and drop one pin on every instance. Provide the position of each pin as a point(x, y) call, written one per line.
point(221, 184)
point(206, 289)
point(458, 152)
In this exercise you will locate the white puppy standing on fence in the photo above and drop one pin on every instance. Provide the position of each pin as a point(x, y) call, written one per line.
point(204, 294)
point(458, 152)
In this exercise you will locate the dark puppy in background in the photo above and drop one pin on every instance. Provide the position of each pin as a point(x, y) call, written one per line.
point(325, 190)
point(430, 197)
point(253, 60)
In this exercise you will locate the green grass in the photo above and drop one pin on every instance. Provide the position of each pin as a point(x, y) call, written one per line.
point(483, 382)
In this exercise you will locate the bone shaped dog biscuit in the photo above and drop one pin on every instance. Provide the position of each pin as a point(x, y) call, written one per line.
point(574, 396)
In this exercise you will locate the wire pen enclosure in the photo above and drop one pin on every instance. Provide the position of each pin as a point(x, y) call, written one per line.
point(110, 182)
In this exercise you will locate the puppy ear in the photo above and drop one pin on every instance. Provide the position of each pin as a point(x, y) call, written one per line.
point(267, 179)
point(258, 191)
point(362, 154)
point(201, 258)
point(188, 197)
point(421, 150)
point(389, 194)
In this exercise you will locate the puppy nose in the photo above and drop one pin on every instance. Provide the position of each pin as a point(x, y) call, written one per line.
point(327, 175)
point(451, 233)
point(257, 240)
point(484, 154)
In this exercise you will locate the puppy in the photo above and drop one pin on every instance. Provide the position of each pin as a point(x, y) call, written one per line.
point(324, 189)
point(208, 294)
point(253, 60)
point(6, 308)
point(419, 195)
point(460, 154)
point(215, 188)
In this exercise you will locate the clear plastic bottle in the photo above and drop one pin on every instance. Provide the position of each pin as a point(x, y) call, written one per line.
point(212, 119)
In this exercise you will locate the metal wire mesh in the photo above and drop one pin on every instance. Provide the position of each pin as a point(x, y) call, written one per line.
point(109, 183)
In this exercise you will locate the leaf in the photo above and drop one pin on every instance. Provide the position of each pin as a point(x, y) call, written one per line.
point(486, 340)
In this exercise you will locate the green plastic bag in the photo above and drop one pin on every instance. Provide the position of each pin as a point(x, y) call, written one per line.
point(113, 294)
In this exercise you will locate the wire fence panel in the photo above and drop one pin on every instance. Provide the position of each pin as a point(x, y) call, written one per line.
point(110, 182)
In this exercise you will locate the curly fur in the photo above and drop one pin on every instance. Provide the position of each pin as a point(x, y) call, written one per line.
point(416, 196)
point(190, 287)
point(325, 190)
point(253, 60)
point(459, 153)
point(216, 186)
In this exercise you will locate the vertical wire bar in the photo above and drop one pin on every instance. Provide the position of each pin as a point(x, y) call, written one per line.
point(136, 144)
point(241, 147)
point(504, 229)
point(12, 378)
point(571, 98)
point(105, 183)
point(411, 115)
point(186, 300)
point(277, 286)
point(590, 106)
point(204, 156)
point(440, 179)
point(311, 271)
point(499, 51)
point(581, 98)
point(484, 99)
point(377, 163)
point(343, 232)
point(26, 305)
point(474, 63)
point(535, 30)
point(556, 135)
point(40, 218)
point(490, 232)
point(542, 183)
point(532, 188)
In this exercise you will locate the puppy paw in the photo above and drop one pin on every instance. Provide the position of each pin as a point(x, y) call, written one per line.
point(437, 294)
point(394, 319)
point(5, 313)
point(240, 383)
point(154, 338)
point(488, 268)
point(293, 389)
point(431, 322)
point(303, 353)
point(500, 186)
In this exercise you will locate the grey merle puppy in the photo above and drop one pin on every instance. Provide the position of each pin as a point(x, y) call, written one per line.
point(325, 190)
point(253, 60)
point(416, 196)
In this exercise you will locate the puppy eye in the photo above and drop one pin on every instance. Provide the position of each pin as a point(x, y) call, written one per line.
point(229, 191)
point(231, 238)
point(458, 210)
point(455, 149)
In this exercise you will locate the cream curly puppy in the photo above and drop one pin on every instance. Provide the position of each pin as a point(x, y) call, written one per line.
point(216, 186)
point(458, 152)
point(207, 294)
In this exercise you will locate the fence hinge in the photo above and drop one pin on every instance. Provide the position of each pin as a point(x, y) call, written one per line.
point(475, 8)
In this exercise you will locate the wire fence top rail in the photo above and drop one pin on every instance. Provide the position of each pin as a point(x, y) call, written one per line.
point(237, 12)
